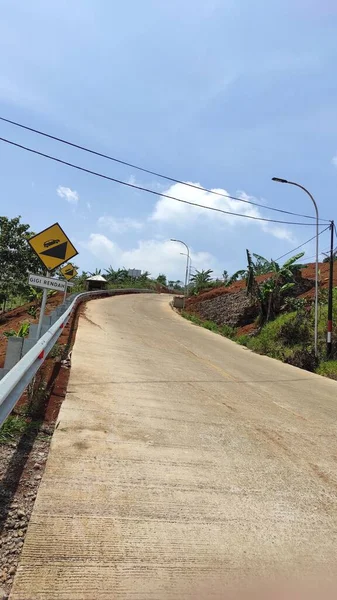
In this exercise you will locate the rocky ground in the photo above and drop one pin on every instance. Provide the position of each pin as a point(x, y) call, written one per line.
point(25, 458)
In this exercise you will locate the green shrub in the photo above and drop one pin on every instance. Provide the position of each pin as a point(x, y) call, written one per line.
point(296, 330)
point(243, 339)
point(328, 369)
point(228, 331)
point(303, 358)
point(211, 326)
point(12, 427)
point(22, 332)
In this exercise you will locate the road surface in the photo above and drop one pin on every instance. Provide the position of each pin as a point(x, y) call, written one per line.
point(182, 461)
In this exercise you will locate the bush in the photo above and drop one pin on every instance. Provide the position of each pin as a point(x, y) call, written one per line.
point(328, 369)
point(295, 330)
point(228, 331)
point(302, 358)
point(243, 339)
point(211, 326)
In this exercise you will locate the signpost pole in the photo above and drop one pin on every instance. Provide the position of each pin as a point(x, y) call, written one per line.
point(42, 309)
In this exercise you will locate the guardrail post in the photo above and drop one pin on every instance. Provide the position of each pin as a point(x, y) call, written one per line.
point(13, 352)
point(33, 331)
point(28, 344)
point(46, 321)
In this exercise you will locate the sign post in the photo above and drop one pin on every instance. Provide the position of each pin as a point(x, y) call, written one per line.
point(42, 309)
point(53, 248)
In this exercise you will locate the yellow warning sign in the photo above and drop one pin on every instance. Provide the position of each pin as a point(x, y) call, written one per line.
point(53, 247)
point(69, 271)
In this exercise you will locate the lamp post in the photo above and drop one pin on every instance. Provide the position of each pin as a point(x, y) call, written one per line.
point(187, 262)
point(189, 269)
point(279, 180)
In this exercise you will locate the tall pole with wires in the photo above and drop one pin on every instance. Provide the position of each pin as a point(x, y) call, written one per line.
point(279, 180)
point(330, 296)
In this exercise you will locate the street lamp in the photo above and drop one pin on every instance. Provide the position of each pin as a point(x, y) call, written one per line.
point(187, 262)
point(279, 180)
point(189, 269)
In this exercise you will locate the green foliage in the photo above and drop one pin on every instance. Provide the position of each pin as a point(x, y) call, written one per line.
point(201, 280)
point(16, 258)
point(57, 350)
point(15, 426)
point(328, 369)
point(268, 294)
point(162, 279)
point(211, 326)
point(295, 304)
point(237, 275)
point(12, 427)
point(227, 331)
point(32, 311)
point(243, 340)
point(224, 330)
point(22, 332)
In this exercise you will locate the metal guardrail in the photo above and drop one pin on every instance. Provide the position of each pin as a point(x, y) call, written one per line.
point(14, 383)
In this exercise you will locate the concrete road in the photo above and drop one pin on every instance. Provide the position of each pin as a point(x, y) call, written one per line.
point(182, 462)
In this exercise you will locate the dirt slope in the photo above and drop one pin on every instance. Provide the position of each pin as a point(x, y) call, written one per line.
point(230, 305)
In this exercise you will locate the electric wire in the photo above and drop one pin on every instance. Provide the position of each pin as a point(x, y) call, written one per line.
point(149, 191)
point(156, 174)
point(301, 245)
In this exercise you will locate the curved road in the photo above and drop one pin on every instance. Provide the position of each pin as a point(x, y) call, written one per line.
point(182, 462)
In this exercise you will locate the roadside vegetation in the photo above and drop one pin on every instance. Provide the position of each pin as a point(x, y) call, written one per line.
point(283, 325)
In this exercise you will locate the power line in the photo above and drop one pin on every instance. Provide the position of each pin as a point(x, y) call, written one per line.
point(172, 179)
point(327, 251)
point(149, 191)
point(304, 243)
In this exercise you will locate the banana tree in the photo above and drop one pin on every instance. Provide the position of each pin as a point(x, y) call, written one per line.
point(268, 294)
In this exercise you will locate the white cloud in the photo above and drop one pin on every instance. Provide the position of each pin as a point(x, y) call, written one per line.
point(155, 256)
point(70, 195)
point(334, 161)
point(88, 206)
point(185, 215)
point(116, 225)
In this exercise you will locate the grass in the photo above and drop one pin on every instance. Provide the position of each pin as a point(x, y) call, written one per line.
point(15, 426)
point(288, 338)
point(328, 369)
point(224, 330)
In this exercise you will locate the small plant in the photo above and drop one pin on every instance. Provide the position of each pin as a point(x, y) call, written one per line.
point(242, 339)
point(56, 351)
point(303, 358)
point(9, 333)
point(328, 369)
point(32, 311)
point(37, 393)
point(12, 427)
point(22, 332)
point(295, 304)
point(228, 331)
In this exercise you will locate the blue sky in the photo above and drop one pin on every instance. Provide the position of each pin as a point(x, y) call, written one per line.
point(224, 93)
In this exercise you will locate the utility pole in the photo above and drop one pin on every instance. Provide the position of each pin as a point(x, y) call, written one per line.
point(330, 295)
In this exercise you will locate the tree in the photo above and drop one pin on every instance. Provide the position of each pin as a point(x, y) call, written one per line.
point(95, 272)
point(225, 276)
point(162, 279)
point(237, 275)
point(269, 293)
point(17, 258)
point(201, 280)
